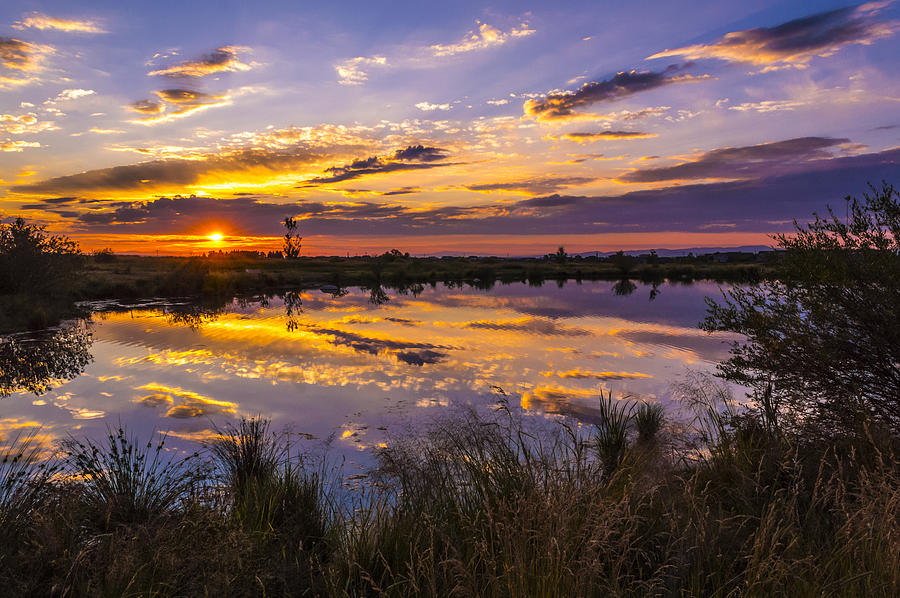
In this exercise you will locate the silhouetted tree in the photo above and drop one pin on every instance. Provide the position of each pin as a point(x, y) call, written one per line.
point(623, 262)
point(561, 255)
point(291, 243)
point(34, 262)
point(822, 349)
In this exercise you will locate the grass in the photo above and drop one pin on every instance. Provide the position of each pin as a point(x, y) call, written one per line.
point(475, 505)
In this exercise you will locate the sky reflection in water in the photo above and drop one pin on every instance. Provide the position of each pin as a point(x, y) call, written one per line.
point(346, 371)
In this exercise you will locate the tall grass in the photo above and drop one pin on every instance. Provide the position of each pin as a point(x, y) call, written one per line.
point(124, 481)
point(476, 505)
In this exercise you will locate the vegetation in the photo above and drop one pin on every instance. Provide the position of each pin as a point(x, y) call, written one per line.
point(291, 243)
point(38, 273)
point(822, 350)
point(477, 505)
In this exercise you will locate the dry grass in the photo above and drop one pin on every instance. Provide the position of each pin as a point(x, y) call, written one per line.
point(483, 506)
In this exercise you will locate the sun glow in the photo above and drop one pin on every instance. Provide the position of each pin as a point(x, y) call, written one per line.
point(215, 237)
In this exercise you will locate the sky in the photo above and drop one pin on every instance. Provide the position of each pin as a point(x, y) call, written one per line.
point(491, 128)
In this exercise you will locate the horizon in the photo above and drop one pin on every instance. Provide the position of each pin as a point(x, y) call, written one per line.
point(501, 129)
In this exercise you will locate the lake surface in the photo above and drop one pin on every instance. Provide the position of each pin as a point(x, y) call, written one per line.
point(346, 371)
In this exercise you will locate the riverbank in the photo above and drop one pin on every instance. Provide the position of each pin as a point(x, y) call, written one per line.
point(127, 277)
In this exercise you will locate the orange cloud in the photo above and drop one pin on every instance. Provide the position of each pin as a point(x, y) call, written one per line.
point(45, 22)
point(220, 60)
point(601, 136)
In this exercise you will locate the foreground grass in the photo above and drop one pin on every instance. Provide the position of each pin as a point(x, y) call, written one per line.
point(476, 506)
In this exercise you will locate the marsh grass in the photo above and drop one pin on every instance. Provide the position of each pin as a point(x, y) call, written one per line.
point(476, 505)
point(125, 481)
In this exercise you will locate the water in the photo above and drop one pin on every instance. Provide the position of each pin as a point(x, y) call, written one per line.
point(348, 371)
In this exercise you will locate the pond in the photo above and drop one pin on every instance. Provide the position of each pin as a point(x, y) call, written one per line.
point(345, 368)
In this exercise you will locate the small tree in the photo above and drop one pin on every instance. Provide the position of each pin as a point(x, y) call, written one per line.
point(561, 255)
point(822, 342)
point(291, 243)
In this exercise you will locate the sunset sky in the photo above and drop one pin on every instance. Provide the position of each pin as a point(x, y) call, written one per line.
point(501, 127)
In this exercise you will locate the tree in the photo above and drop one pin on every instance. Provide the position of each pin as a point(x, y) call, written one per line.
point(291, 243)
point(822, 348)
point(623, 262)
point(561, 256)
point(33, 262)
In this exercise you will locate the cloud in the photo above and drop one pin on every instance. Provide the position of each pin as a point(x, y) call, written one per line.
point(147, 107)
point(221, 60)
point(24, 124)
point(561, 105)
point(183, 102)
point(532, 186)
point(354, 71)
point(44, 22)
point(20, 61)
point(602, 136)
point(485, 36)
point(189, 403)
point(420, 153)
point(579, 374)
point(427, 107)
point(350, 72)
point(413, 157)
point(402, 191)
point(68, 95)
point(796, 42)
point(17, 146)
point(742, 162)
point(169, 173)
point(764, 203)
point(542, 326)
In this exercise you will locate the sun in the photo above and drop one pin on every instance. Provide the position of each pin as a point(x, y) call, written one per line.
point(215, 237)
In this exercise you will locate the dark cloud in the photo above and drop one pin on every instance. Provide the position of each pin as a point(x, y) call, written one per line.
point(15, 53)
point(185, 96)
point(223, 59)
point(420, 357)
point(420, 153)
point(534, 186)
point(176, 103)
point(414, 157)
point(146, 107)
point(402, 191)
point(742, 162)
point(540, 326)
point(796, 42)
point(562, 105)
